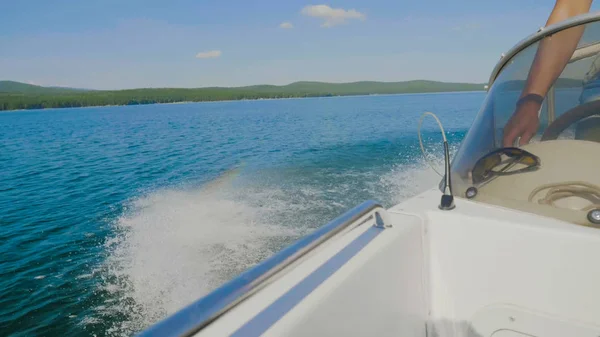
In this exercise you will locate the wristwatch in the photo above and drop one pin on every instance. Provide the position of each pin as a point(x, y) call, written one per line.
point(531, 97)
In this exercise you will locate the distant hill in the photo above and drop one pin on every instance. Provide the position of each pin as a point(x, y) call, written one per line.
point(16, 95)
point(13, 87)
point(369, 87)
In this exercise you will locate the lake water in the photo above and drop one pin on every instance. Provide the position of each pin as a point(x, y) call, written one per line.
point(113, 217)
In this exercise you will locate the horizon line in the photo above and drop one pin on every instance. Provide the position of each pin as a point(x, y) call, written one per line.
point(242, 86)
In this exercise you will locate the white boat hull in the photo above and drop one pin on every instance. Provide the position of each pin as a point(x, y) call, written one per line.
point(478, 270)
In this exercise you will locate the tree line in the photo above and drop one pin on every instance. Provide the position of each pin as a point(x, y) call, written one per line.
point(136, 97)
point(12, 98)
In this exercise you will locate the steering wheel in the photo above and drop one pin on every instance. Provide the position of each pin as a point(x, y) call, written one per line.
point(570, 117)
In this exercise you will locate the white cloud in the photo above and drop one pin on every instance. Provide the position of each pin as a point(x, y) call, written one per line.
point(209, 54)
point(286, 25)
point(332, 16)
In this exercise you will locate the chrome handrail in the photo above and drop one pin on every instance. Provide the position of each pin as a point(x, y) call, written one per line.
point(199, 314)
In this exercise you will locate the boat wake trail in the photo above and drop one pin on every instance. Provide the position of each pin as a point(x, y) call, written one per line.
point(173, 246)
point(407, 181)
point(413, 176)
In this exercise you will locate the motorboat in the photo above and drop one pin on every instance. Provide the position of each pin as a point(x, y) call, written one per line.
point(505, 246)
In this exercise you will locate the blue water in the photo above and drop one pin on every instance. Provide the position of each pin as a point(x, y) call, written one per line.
point(113, 217)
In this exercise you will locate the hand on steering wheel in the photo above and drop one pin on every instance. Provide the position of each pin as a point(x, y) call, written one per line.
point(523, 123)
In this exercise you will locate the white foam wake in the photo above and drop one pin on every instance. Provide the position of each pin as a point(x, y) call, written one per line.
point(408, 180)
point(174, 246)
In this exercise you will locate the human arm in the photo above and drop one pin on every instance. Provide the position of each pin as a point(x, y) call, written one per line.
point(553, 55)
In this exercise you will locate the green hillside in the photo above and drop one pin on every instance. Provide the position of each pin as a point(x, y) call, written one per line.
point(369, 87)
point(15, 95)
point(24, 88)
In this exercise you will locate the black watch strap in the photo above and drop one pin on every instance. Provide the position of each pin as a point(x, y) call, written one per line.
point(531, 97)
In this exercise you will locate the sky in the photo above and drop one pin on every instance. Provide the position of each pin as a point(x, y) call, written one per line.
point(120, 44)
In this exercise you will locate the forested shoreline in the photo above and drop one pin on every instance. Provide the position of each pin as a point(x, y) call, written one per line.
point(34, 97)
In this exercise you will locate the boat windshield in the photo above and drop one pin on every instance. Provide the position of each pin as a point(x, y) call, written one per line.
point(557, 173)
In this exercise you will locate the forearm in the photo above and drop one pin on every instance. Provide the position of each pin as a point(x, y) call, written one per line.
point(554, 52)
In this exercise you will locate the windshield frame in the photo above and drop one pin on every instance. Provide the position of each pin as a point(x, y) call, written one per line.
point(513, 191)
point(543, 32)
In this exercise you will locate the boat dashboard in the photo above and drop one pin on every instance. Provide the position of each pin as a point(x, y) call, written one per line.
point(557, 172)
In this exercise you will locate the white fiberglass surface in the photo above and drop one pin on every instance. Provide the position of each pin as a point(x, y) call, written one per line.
point(491, 269)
